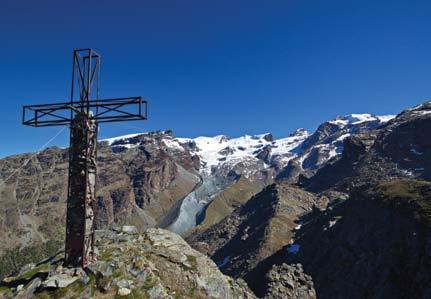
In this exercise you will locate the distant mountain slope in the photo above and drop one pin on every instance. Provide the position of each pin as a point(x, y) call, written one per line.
point(401, 148)
point(327, 142)
point(257, 229)
point(262, 158)
point(151, 178)
point(374, 245)
point(136, 186)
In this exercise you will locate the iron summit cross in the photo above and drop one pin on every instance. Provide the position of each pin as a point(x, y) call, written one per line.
point(83, 115)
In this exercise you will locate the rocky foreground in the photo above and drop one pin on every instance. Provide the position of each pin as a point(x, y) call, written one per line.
point(154, 264)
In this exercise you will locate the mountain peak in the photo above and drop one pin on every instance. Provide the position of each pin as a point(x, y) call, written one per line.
point(355, 119)
point(299, 132)
point(423, 108)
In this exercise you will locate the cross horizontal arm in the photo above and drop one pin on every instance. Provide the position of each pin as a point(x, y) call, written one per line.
point(106, 110)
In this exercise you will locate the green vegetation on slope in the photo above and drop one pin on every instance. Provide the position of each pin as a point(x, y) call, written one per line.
point(409, 196)
point(229, 199)
point(13, 259)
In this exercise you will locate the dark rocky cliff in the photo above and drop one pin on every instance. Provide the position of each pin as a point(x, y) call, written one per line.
point(377, 244)
point(256, 230)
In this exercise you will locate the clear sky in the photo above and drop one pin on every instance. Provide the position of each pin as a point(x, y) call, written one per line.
point(216, 67)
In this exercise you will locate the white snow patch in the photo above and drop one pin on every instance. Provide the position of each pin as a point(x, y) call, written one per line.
point(332, 222)
point(355, 119)
point(173, 144)
point(339, 122)
point(332, 153)
point(300, 223)
point(341, 138)
point(423, 112)
point(112, 140)
point(385, 118)
point(240, 149)
point(407, 172)
point(360, 118)
point(126, 145)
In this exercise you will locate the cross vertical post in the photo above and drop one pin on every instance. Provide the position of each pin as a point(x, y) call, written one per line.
point(79, 249)
point(83, 115)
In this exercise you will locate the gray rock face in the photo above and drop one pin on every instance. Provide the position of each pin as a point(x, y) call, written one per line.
point(59, 281)
point(374, 245)
point(137, 185)
point(154, 264)
point(256, 230)
point(399, 149)
point(326, 143)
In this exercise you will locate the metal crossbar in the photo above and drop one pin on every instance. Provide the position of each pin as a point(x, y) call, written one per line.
point(107, 110)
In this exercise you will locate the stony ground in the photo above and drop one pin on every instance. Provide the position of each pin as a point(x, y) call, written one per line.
point(154, 264)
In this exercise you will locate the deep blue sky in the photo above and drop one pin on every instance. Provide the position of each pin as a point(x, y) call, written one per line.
point(212, 67)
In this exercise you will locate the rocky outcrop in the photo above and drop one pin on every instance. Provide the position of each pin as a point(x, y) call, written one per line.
point(399, 149)
point(326, 143)
point(374, 245)
point(289, 281)
point(256, 230)
point(154, 264)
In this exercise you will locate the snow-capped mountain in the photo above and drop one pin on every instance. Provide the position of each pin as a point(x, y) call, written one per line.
point(327, 142)
point(250, 154)
point(260, 157)
point(253, 153)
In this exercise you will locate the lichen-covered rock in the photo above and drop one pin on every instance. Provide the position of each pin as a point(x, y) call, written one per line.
point(289, 281)
point(154, 264)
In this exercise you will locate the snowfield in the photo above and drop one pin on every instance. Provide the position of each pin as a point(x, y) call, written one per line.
point(250, 156)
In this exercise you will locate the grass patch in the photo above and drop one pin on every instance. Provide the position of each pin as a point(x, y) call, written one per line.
point(4, 290)
point(117, 273)
point(29, 274)
point(408, 196)
point(14, 259)
point(149, 284)
point(105, 255)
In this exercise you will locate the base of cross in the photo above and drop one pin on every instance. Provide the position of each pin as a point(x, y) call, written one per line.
point(81, 192)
